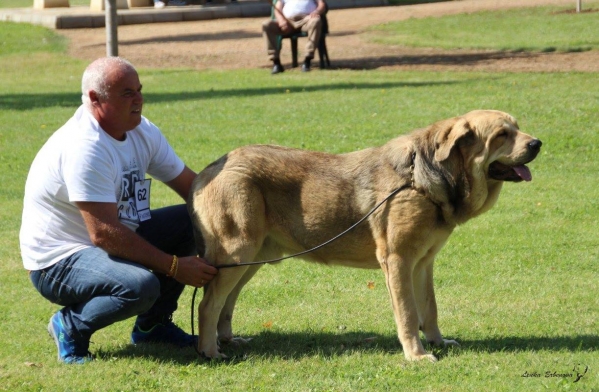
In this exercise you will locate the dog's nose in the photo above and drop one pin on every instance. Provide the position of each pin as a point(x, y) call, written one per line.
point(535, 145)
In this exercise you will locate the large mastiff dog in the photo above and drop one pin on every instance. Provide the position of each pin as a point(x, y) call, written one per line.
point(260, 202)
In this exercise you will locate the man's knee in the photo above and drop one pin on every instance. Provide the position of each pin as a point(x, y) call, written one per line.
point(314, 23)
point(269, 25)
point(142, 292)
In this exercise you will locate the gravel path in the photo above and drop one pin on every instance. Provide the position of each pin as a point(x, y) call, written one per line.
point(237, 43)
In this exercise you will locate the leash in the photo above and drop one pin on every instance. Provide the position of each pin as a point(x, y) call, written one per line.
point(393, 193)
point(231, 265)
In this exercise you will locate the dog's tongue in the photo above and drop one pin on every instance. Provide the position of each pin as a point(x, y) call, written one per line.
point(523, 172)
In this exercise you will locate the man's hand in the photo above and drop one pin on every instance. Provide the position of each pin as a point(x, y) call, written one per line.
point(284, 26)
point(315, 14)
point(194, 271)
point(108, 233)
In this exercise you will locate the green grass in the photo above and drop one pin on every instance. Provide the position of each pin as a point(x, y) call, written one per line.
point(517, 287)
point(20, 39)
point(539, 29)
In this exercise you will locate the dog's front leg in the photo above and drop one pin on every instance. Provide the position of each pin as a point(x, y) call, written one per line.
point(427, 304)
point(398, 277)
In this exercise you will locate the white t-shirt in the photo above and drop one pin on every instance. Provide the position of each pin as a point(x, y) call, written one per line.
point(81, 162)
point(292, 8)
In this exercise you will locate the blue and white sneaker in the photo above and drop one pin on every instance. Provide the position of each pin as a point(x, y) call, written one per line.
point(165, 332)
point(69, 351)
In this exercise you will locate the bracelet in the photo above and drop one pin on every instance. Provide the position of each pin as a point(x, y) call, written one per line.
point(174, 267)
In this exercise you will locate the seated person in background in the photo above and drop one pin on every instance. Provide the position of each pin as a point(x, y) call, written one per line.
point(290, 16)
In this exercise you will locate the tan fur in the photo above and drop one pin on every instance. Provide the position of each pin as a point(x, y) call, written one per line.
point(260, 202)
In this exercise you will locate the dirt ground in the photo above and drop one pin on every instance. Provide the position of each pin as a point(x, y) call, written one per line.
point(237, 43)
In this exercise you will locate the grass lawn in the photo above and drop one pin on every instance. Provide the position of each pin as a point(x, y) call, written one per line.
point(544, 29)
point(517, 287)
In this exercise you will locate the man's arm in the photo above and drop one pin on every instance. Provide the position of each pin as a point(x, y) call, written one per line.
point(182, 183)
point(281, 19)
point(320, 9)
point(108, 233)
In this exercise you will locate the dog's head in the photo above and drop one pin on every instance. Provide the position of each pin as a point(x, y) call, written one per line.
point(490, 143)
point(477, 153)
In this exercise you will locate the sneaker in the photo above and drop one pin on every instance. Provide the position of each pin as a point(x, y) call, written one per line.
point(306, 64)
point(166, 332)
point(69, 351)
point(177, 3)
point(277, 68)
point(159, 4)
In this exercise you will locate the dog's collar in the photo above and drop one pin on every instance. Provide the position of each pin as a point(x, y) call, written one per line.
point(422, 190)
point(412, 168)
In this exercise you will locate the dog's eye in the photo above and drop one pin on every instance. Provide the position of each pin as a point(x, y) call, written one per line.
point(502, 134)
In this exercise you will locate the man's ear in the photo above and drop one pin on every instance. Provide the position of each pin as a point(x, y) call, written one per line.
point(447, 138)
point(93, 97)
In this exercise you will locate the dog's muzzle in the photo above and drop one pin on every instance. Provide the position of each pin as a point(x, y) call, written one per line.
point(502, 172)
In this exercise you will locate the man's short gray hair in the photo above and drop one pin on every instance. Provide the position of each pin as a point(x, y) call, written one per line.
point(94, 77)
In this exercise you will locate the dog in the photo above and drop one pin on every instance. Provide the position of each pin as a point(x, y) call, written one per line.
point(259, 202)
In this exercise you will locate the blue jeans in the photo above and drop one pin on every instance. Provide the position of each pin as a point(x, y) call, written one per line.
point(97, 289)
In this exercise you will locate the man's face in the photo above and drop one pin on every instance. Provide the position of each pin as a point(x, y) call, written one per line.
point(121, 110)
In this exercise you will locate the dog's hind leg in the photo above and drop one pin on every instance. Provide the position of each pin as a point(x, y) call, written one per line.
point(212, 306)
point(269, 251)
point(225, 328)
point(233, 225)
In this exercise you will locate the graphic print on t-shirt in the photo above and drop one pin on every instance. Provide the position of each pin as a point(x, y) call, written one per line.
point(126, 207)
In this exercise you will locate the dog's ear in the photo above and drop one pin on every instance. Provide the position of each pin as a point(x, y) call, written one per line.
point(447, 138)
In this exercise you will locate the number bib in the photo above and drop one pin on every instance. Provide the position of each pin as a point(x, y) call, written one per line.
point(142, 199)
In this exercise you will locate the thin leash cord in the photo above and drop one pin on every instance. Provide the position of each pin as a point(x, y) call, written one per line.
point(290, 256)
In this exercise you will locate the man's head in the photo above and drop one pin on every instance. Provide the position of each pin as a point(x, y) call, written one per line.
point(111, 91)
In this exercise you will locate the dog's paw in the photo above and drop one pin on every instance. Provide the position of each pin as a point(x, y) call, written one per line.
point(211, 354)
point(240, 341)
point(215, 357)
point(236, 341)
point(450, 343)
point(421, 357)
point(444, 343)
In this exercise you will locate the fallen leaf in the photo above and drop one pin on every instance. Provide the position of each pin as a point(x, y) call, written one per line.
point(267, 324)
point(370, 285)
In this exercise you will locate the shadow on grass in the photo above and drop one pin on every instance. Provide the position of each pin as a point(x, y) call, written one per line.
point(44, 100)
point(533, 343)
point(294, 346)
point(235, 35)
point(462, 58)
